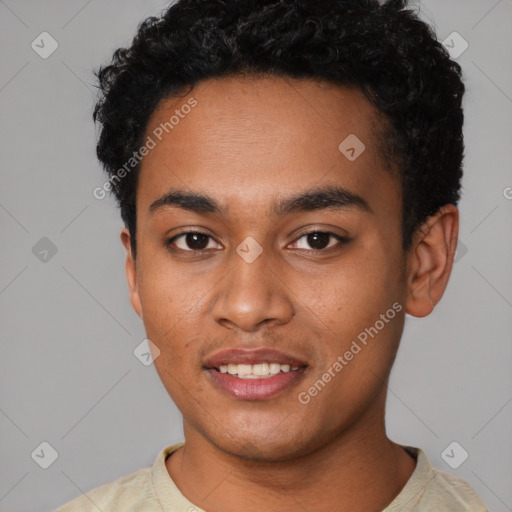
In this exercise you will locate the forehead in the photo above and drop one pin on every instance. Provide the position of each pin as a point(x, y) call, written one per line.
point(251, 139)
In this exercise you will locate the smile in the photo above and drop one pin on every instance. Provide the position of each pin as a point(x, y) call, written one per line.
point(248, 385)
point(256, 371)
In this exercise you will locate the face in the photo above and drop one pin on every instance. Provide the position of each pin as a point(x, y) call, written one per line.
point(294, 246)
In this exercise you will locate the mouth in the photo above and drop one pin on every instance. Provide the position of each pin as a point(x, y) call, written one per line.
point(255, 387)
point(256, 371)
point(254, 374)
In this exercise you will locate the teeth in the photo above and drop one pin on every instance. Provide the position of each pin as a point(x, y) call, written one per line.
point(260, 369)
point(254, 371)
point(275, 368)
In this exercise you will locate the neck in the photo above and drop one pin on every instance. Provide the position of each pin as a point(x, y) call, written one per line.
point(334, 476)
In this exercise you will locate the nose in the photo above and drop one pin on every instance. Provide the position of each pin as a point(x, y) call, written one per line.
point(252, 294)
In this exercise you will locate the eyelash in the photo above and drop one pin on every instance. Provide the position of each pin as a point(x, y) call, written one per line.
point(341, 239)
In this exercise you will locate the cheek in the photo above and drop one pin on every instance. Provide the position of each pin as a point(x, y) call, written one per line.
point(352, 297)
point(170, 308)
point(165, 291)
point(358, 353)
point(362, 314)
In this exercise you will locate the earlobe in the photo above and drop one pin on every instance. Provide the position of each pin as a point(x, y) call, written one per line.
point(430, 260)
point(131, 273)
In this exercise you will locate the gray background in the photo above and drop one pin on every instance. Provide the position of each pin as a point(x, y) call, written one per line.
point(68, 375)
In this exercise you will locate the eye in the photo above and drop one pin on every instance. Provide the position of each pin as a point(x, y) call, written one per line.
point(197, 241)
point(193, 241)
point(319, 240)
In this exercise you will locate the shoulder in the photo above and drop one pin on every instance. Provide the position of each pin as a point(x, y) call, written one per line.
point(139, 490)
point(126, 492)
point(448, 490)
point(433, 490)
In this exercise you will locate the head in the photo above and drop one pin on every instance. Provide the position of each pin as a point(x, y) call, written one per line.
point(291, 175)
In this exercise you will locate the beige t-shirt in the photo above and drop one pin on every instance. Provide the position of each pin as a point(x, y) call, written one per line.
point(151, 489)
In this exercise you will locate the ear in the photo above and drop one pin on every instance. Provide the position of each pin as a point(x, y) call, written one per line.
point(131, 273)
point(430, 260)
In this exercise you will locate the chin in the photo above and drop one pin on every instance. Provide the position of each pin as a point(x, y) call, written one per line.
point(258, 447)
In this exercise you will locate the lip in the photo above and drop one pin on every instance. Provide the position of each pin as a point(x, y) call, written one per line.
point(251, 356)
point(255, 389)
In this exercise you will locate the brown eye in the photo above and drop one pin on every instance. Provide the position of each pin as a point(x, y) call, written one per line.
point(319, 240)
point(190, 241)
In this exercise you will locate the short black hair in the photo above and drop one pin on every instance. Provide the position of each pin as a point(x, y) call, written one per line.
point(383, 49)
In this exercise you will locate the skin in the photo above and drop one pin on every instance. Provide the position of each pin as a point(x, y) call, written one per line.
point(249, 143)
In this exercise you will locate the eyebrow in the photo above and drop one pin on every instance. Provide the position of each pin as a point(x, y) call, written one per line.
point(328, 197)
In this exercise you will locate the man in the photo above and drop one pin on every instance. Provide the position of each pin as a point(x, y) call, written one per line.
point(288, 173)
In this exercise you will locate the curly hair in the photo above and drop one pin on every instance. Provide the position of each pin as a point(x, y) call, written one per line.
point(383, 49)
